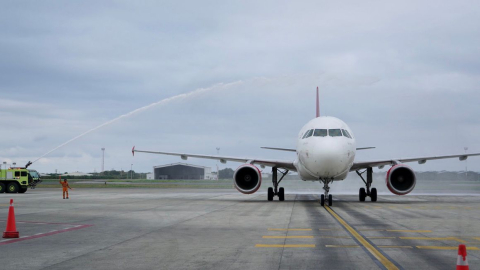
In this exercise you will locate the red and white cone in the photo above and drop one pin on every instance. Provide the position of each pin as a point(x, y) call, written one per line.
point(462, 262)
point(11, 230)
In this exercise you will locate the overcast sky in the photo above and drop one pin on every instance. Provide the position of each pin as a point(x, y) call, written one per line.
point(404, 75)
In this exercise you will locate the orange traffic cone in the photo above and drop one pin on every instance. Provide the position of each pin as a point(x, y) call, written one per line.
point(11, 230)
point(462, 262)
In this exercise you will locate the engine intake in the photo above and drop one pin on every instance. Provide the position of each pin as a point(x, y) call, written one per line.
point(401, 179)
point(247, 179)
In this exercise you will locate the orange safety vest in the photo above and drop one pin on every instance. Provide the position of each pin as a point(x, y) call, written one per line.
point(65, 185)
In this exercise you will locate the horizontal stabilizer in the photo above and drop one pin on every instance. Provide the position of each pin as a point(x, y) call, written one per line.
point(365, 148)
point(280, 149)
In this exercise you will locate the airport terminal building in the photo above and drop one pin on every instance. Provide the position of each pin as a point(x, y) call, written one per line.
point(182, 171)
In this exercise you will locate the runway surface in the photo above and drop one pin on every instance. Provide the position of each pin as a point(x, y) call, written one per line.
point(222, 229)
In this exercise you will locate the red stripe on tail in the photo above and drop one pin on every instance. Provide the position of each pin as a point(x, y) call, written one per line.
point(318, 105)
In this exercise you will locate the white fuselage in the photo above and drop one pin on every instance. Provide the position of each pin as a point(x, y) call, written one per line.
point(328, 152)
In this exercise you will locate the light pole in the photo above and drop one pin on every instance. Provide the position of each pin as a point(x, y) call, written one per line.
point(131, 172)
point(103, 159)
point(466, 163)
point(218, 171)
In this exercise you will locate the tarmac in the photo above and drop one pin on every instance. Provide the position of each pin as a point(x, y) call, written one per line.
point(144, 228)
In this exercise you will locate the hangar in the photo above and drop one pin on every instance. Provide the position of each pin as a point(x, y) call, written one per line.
point(182, 171)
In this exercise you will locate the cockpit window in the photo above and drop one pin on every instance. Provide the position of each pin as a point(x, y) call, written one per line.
point(346, 134)
point(320, 133)
point(334, 132)
point(309, 133)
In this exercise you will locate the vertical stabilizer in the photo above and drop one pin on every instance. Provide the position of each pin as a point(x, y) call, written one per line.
point(318, 105)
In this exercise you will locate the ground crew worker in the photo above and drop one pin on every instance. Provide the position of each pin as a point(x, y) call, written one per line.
point(65, 187)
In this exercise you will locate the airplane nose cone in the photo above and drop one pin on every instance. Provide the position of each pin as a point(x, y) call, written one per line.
point(327, 160)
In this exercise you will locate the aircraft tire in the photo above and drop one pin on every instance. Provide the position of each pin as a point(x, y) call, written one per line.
point(270, 194)
point(362, 194)
point(373, 194)
point(281, 194)
point(330, 200)
point(322, 200)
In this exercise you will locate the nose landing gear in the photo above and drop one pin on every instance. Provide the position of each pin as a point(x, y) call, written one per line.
point(275, 191)
point(327, 196)
point(372, 193)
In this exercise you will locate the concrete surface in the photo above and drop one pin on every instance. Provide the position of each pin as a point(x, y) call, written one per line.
point(222, 229)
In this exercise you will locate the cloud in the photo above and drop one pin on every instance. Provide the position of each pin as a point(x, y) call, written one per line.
point(403, 75)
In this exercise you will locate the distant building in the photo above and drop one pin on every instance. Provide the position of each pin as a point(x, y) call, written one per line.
point(150, 176)
point(76, 174)
point(182, 171)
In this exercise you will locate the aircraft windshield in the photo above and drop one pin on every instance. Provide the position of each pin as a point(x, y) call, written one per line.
point(346, 134)
point(309, 133)
point(320, 133)
point(334, 133)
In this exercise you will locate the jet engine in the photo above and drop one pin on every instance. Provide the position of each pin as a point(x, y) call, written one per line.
point(247, 179)
point(401, 179)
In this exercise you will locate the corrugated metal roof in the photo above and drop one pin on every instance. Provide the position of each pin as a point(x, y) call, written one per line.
point(179, 163)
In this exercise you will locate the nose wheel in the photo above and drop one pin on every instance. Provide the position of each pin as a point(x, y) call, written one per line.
point(326, 198)
point(275, 191)
point(329, 200)
point(368, 192)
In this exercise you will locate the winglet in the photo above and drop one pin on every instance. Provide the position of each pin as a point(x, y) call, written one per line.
point(133, 151)
point(318, 105)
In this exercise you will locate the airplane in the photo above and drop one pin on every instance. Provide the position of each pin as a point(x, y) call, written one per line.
point(325, 150)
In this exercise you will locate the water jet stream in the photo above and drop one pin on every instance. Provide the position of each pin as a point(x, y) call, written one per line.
point(161, 102)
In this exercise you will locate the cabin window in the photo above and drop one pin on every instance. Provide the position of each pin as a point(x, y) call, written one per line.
point(320, 133)
point(24, 173)
point(309, 133)
point(17, 174)
point(334, 132)
point(346, 134)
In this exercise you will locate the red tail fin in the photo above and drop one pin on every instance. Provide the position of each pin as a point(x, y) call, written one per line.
point(318, 105)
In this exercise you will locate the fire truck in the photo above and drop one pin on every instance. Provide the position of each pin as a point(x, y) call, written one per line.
point(18, 179)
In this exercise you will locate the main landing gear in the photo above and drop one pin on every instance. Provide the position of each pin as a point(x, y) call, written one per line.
point(275, 191)
point(327, 196)
point(372, 193)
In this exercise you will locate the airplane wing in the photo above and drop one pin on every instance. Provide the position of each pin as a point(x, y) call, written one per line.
point(223, 159)
point(420, 160)
point(295, 150)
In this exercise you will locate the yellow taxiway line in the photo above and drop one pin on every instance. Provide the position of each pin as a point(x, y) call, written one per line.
point(285, 246)
point(340, 237)
point(356, 246)
point(377, 254)
point(289, 229)
point(434, 238)
point(342, 246)
point(287, 237)
point(395, 246)
point(446, 248)
point(417, 231)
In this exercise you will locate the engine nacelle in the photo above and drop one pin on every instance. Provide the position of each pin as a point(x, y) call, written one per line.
point(247, 178)
point(401, 179)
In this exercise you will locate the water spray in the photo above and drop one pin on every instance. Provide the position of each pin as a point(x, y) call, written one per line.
point(161, 102)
